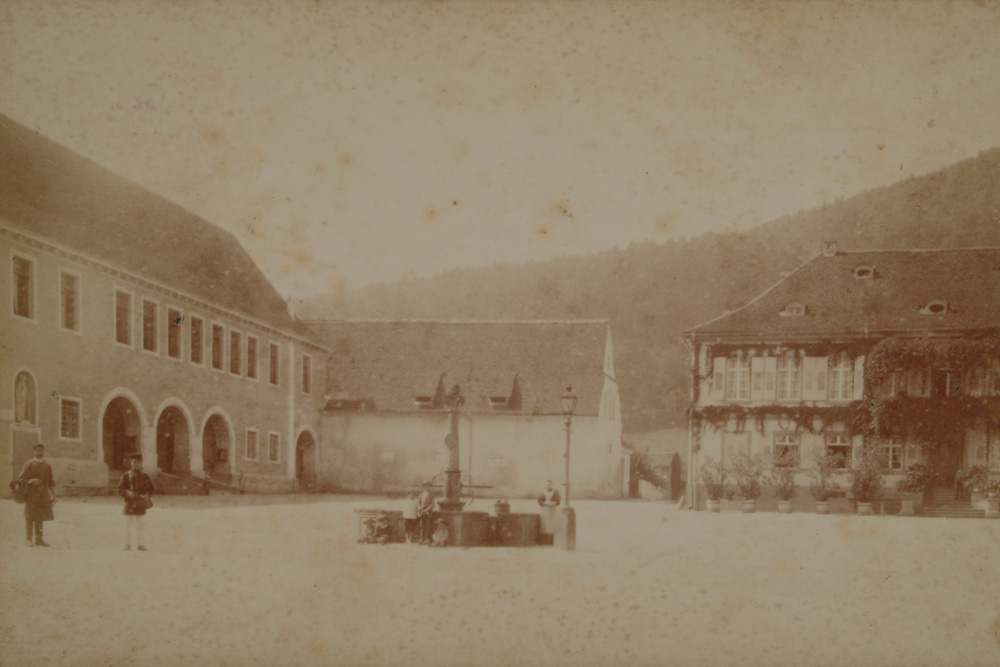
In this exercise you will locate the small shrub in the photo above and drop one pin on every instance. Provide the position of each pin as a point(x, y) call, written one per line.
point(782, 479)
point(823, 485)
point(916, 479)
point(992, 487)
point(866, 477)
point(747, 470)
point(714, 476)
point(975, 477)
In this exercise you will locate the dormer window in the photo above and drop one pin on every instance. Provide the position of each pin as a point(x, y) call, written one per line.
point(864, 272)
point(498, 402)
point(793, 310)
point(936, 307)
point(423, 402)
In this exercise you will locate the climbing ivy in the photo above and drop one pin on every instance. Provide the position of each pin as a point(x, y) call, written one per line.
point(891, 354)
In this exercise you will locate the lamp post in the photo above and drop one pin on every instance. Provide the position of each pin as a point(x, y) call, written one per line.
point(565, 537)
point(452, 502)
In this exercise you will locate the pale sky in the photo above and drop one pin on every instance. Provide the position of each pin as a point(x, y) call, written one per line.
point(346, 143)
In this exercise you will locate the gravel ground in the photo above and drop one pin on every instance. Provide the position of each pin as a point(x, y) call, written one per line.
point(257, 580)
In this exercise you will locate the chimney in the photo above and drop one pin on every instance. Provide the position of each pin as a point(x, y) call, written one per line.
point(829, 248)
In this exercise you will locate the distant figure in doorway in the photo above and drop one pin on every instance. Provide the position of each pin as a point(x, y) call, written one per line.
point(137, 489)
point(39, 495)
point(410, 515)
point(549, 499)
point(425, 510)
point(550, 496)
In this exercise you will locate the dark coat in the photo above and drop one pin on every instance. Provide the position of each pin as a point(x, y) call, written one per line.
point(135, 484)
point(39, 490)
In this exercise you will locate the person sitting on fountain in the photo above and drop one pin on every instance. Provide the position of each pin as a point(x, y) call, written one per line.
point(440, 536)
point(550, 496)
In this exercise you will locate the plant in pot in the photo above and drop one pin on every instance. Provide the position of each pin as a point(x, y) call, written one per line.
point(866, 480)
point(992, 490)
point(782, 479)
point(915, 481)
point(714, 477)
point(975, 479)
point(823, 485)
point(747, 470)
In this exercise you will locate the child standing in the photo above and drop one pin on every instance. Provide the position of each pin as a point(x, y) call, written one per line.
point(410, 515)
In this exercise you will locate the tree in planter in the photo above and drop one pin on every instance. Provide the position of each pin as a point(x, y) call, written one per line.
point(714, 476)
point(866, 477)
point(975, 478)
point(916, 480)
point(823, 485)
point(747, 470)
point(781, 478)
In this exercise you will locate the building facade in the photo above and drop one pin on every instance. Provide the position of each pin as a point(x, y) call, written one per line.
point(898, 351)
point(129, 325)
point(385, 420)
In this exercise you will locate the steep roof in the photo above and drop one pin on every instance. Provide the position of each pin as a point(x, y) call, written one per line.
point(50, 191)
point(840, 295)
point(391, 363)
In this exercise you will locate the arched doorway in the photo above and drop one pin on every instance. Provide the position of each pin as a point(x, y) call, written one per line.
point(172, 451)
point(215, 446)
point(305, 460)
point(121, 428)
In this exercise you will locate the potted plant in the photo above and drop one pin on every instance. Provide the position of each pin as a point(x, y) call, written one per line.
point(975, 479)
point(714, 476)
point(823, 485)
point(992, 489)
point(912, 486)
point(747, 470)
point(782, 479)
point(866, 480)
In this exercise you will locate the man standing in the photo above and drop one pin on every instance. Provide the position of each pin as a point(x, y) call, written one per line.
point(136, 488)
point(36, 477)
point(549, 499)
point(425, 510)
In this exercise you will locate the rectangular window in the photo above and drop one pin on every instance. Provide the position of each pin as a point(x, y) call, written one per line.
point(218, 351)
point(69, 419)
point(251, 445)
point(235, 352)
point(175, 324)
point(273, 450)
point(123, 317)
point(149, 325)
point(197, 340)
point(306, 373)
point(251, 357)
point(273, 372)
point(786, 450)
point(838, 444)
point(841, 379)
point(789, 375)
point(738, 379)
point(23, 283)
point(892, 453)
point(69, 301)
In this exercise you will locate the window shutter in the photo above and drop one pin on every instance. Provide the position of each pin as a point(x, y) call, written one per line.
point(770, 372)
point(814, 389)
point(719, 379)
point(859, 378)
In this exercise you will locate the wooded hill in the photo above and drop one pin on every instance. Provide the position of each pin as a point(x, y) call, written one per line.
point(651, 292)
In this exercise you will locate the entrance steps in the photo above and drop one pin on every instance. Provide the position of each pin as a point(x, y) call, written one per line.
point(942, 503)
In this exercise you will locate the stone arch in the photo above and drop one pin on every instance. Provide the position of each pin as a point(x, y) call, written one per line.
point(218, 441)
point(173, 437)
point(122, 425)
point(306, 458)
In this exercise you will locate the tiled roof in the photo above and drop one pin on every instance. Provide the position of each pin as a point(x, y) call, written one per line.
point(391, 363)
point(965, 283)
point(49, 191)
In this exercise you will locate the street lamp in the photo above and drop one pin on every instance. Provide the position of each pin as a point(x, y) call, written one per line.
point(565, 536)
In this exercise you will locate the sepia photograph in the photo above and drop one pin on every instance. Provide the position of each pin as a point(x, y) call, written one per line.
point(500, 332)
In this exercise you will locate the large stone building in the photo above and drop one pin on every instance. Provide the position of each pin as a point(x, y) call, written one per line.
point(895, 350)
point(385, 420)
point(128, 324)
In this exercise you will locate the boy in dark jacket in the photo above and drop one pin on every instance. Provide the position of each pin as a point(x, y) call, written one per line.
point(39, 495)
point(136, 488)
